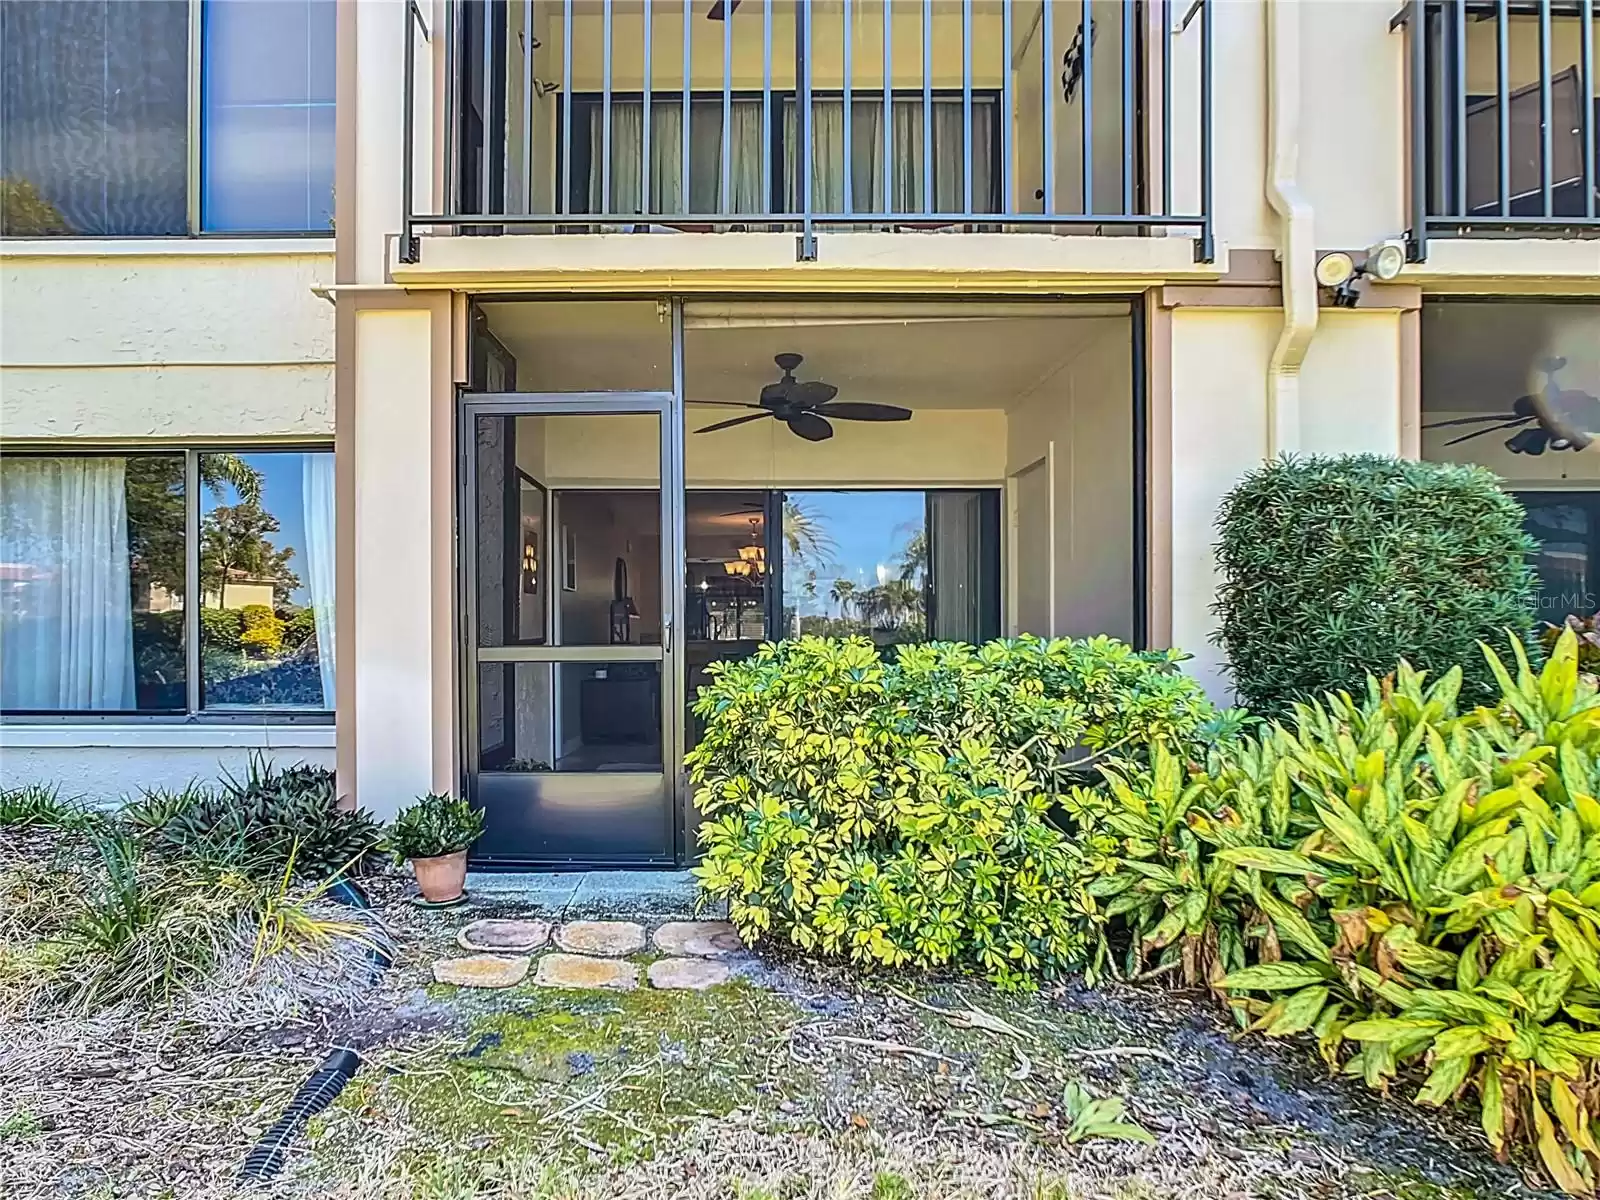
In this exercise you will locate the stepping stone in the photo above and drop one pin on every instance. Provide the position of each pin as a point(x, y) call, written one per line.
point(481, 971)
point(581, 971)
point(609, 939)
point(698, 939)
point(517, 937)
point(687, 974)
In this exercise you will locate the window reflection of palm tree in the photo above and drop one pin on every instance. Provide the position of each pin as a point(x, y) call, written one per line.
point(912, 560)
point(805, 536)
point(843, 594)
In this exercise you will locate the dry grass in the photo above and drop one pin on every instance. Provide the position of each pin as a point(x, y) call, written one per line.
point(728, 1160)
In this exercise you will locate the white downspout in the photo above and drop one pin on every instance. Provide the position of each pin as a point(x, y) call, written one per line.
point(1297, 246)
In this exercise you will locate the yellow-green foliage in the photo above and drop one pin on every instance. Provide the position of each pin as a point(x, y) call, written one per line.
point(262, 629)
point(1416, 888)
point(898, 812)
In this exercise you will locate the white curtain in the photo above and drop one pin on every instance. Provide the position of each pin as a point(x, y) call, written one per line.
point(318, 498)
point(666, 158)
point(66, 606)
point(907, 192)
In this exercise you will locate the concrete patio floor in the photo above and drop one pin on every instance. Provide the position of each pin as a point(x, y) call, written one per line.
point(566, 894)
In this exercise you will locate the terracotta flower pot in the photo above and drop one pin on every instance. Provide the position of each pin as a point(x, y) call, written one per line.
point(441, 879)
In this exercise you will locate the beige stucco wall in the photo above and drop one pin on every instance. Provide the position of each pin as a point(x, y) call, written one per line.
point(100, 341)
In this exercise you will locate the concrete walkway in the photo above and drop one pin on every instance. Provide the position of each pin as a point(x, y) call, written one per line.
point(562, 895)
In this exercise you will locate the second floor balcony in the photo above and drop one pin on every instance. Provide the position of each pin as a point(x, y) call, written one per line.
point(581, 116)
point(1504, 126)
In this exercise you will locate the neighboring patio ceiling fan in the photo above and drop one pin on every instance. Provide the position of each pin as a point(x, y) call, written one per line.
point(805, 407)
point(1554, 418)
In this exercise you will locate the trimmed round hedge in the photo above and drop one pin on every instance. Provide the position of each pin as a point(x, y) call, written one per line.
point(1333, 568)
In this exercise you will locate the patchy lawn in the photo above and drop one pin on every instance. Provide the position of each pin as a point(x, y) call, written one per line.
point(791, 1081)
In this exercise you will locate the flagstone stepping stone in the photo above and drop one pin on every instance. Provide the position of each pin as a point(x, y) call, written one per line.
point(698, 939)
point(687, 974)
point(482, 970)
point(582, 971)
point(494, 935)
point(609, 939)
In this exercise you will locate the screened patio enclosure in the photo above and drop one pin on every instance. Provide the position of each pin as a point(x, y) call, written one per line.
point(652, 487)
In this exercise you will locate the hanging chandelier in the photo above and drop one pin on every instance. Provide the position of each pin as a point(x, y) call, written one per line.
point(752, 560)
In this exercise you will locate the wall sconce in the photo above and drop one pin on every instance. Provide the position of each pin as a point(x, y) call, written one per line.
point(530, 565)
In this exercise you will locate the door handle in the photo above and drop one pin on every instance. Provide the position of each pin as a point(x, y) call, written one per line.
point(666, 635)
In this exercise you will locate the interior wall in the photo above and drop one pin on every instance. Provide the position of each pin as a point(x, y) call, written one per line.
point(604, 528)
point(1079, 425)
point(938, 447)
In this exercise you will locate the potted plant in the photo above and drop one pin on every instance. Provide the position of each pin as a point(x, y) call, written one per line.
point(433, 835)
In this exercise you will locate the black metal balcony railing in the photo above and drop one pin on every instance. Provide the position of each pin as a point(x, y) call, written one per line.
point(961, 115)
point(1504, 122)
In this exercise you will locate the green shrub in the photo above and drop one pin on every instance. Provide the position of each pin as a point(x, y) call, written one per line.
point(139, 929)
point(139, 933)
point(435, 825)
point(220, 628)
point(261, 630)
point(275, 816)
point(1417, 888)
point(158, 807)
point(43, 807)
point(899, 812)
point(1336, 567)
point(300, 628)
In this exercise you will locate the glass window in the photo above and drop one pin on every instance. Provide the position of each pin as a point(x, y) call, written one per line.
point(266, 580)
point(267, 103)
point(94, 117)
point(1566, 528)
point(92, 559)
point(569, 716)
point(893, 566)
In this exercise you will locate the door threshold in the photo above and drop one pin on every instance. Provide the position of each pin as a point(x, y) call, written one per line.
point(566, 894)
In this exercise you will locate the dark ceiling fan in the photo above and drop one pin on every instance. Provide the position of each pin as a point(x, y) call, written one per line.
point(1554, 418)
point(805, 407)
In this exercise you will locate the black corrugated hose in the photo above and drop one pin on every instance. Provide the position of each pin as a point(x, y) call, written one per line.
point(324, 1084)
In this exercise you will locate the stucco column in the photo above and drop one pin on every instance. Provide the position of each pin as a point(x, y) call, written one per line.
point(396, 638)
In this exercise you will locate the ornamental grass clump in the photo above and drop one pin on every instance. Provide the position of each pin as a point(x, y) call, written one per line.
point(1332, 568)
point(901, 813)
point(1414, 886)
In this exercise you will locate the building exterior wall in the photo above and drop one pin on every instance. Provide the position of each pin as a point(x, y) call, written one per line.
point(109, 343)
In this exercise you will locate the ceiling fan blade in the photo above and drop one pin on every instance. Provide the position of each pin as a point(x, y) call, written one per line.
point(735, 421)
point(721, 404)
point(1478, 420)
point(809, 426)
point(849, 410)
point(721, 8)
point(1467, 437)
point(812, 393)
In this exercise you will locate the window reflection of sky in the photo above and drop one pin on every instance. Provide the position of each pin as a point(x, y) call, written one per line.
point(863, 531)
point(282, 495)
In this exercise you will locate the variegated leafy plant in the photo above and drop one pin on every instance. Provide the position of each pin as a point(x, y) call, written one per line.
point(900, 812)
point(1417, 888)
